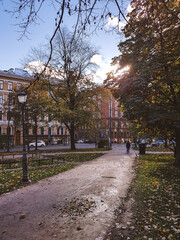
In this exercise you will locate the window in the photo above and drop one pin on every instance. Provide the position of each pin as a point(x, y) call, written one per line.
point(58, 131)
point(116, 113)
point(34, 130)
point(9, 86)
point(8, 130)
point(1, 99)
point(49, 131)
point(62, 132)
point(1, 116)
point(42, 131)
point(19, 86)
point(26, 130)
point(1, 85)
point(8, 115)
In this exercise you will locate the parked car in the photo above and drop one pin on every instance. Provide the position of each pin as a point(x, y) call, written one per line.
point(133, 145)
point(80, 141)
point(89, 141)
point(158, 143)
point(149, 145)
point(40, 143)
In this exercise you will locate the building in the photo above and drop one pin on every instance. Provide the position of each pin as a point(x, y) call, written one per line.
point(111, 126)
point(51, 132)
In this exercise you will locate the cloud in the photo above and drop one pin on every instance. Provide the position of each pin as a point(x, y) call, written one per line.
point(113, 22)
point(104, 67)
point(129, 8)
point(97, 59)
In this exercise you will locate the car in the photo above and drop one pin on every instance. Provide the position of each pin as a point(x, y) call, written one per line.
point(160, 142)
point(133, 145)
point(157, 143)
point(89, 141)
point(149, 145)
point(80, 141)
point(40, 143)
point(154, 144)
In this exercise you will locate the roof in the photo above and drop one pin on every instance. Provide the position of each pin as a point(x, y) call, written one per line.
point(16, 73)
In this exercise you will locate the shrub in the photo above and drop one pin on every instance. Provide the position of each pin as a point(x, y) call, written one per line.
point(103, 143)
point(3, 141)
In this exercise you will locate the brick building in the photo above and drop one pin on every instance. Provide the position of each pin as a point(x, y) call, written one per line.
point(112, 125)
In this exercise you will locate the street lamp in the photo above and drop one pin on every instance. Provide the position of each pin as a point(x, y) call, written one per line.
point(22, 96)
point(110, 122)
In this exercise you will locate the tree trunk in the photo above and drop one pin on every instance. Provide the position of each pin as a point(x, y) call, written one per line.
point(36, 148)
point(72, 132)
point(165, 144)
point(177, 150)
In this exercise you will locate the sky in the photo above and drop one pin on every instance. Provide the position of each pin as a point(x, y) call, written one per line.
point(13, 50)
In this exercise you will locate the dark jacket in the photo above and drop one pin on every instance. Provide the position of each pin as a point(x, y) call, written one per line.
point(128, 145)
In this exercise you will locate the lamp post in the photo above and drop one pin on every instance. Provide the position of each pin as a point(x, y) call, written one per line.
point(22, 96)
point(110, 122)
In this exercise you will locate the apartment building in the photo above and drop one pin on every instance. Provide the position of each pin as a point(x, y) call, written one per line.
point(112, 124)
point(51, 132)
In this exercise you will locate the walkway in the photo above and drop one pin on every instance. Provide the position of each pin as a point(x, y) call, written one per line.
point(75, 205)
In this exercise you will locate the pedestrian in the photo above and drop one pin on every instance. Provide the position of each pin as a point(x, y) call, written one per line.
point(128, 145)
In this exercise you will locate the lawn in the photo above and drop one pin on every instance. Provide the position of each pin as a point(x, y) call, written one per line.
point(156, 192)
point(156, 149)
point(57, 150)
point(11, 179)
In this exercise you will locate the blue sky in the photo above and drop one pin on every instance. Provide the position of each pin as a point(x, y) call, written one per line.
point(13, 51)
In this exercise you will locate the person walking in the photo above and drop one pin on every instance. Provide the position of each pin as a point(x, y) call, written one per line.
point(128, 145)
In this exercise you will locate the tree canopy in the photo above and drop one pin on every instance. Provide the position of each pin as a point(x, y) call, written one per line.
point(150, 89)
point(71, 95)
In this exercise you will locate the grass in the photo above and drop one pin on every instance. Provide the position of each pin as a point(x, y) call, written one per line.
point(57, 150)
point(34, 161)
point(156, 149)
point(156, 192)
point(11, 179)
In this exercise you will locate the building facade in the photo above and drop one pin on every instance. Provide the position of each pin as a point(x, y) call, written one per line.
point(51, 132)
point(111, 125)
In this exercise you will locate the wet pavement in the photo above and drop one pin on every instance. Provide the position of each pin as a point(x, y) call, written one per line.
point(75, 205)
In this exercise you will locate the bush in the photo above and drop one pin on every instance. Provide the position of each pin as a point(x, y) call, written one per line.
point(3, 141)
point(103, 143)
point(59, 141)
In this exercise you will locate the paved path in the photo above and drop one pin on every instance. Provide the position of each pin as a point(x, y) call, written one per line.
point(56, 208)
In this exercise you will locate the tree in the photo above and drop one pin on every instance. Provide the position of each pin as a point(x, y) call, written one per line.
point(86, 16)
point(74, 91)
point(71, 91)
point(34, 107)
point(150, 90)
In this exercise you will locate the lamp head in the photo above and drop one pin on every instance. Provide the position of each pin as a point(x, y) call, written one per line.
point(22, 96)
